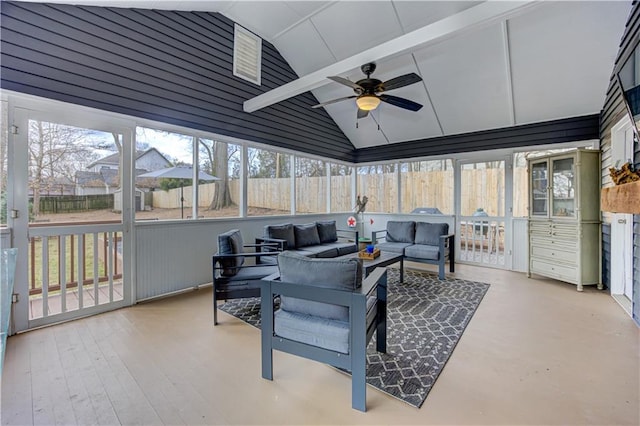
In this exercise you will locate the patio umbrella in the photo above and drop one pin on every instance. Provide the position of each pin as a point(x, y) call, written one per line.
point(178, 172)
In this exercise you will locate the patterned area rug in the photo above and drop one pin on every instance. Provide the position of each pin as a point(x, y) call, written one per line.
point(426, 318)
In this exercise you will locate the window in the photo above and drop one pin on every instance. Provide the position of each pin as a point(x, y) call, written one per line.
point(379, 183)
point(65, 183)
point(482, 188)
point(427, 187)
point(268, 183)
point(219, 198)
point(311, 186)
point(341, 189)
point(167, 157)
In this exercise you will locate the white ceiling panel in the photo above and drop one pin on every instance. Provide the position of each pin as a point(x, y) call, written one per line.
point(562, 57)
point(306, 8)
point(466, 77)
point(304, 49)
point(266, 19)
point(351, 27)
point(416, 14)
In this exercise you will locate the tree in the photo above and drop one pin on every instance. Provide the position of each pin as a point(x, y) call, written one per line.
point(217, 157)
point(56, 152)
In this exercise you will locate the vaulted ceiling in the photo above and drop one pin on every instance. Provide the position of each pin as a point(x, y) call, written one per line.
point(483, 65)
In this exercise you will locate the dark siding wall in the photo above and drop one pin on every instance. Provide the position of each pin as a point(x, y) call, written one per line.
point(550, 132)
point(173, 67)
point(613, 111)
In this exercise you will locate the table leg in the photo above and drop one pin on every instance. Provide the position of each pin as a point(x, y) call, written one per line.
point(402, 269)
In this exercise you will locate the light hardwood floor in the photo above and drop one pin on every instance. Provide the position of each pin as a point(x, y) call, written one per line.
point(535, 352)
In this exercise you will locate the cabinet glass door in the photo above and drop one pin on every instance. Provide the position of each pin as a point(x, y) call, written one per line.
point(539, 193)
point(563, 188)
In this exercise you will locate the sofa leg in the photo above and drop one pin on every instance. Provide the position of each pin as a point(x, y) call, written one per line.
point(441, 271)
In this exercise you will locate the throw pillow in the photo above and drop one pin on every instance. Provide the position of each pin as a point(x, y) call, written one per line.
point(327, 231)
point(282, 232)
point(306, 235)
point(230, 243)
point(429, 233)
point(400, 231)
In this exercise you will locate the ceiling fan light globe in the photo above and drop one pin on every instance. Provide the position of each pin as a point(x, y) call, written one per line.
point(368, 102)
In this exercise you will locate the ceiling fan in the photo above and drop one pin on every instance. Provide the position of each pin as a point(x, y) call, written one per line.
point(368, 91)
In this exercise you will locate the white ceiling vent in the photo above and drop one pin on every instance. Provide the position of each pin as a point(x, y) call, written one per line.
point(247, 55)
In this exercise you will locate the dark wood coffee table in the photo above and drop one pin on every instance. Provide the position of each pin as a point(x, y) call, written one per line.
point(386, 258)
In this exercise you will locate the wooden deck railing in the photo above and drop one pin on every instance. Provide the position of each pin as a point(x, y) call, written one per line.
point(76, 265)
point(71, 258)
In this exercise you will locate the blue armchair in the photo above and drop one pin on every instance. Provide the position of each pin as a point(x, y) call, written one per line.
point(327, 313)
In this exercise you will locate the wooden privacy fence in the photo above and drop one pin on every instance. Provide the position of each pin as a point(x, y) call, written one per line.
point(480, 187)
point(75, 203)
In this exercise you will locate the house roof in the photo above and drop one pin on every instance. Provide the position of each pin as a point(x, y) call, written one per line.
point(113, 159)
point(97, 179)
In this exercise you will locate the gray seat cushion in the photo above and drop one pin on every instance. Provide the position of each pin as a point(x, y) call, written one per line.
point(320, 251)
point(423, 251)
point(306, 235)
point(249, 273)
point(325, 333)
point(305, 252)
point(429, 233)
point(327, 231)
point(231, 242)
point(282, 232)
point(342, 248)
point(339, 274)
point(400, 231)
point(393, 247)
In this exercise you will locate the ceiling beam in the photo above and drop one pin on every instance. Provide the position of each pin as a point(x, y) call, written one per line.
point(482, 14)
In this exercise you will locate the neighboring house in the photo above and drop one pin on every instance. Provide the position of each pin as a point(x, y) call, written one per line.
point(102, 175)
point(57, 186)
point(104, 181)
point(148, 160)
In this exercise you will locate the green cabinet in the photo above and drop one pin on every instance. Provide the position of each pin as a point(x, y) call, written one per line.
point(564, 217)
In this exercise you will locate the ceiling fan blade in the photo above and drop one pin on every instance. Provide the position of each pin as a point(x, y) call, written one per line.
point(400, 102)
point(400, 81)
point(334, 101)
point(346, 82)
point(362, 113)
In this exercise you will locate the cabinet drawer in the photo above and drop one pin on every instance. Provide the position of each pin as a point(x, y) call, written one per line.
point(549, 269)
point(552, 242)
point(536, 227)
point(555, 254)
point(564, 230)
